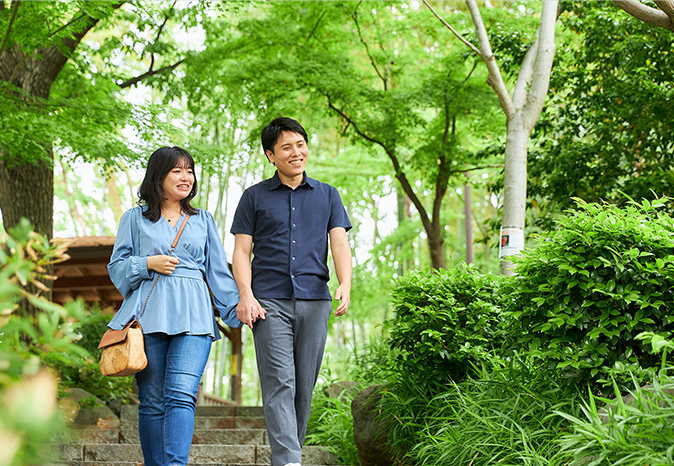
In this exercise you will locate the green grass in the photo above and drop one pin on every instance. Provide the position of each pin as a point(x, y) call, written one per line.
point(506, 417)
point(611, 432)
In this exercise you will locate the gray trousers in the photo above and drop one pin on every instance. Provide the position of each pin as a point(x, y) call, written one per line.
point(289, 347)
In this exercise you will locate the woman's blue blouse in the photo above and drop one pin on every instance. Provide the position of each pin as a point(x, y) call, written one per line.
point(180, 302)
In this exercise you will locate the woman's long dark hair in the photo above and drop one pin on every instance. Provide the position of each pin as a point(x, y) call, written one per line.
point(151, 191)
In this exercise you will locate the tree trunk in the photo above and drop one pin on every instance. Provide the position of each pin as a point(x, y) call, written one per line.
point(27, 180)
point(514, 192)
point(435, 246)
point(468, 225)
point(522, 111)
point(27, 190)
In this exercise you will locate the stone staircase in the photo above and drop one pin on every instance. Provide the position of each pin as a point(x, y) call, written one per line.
point(223, 436)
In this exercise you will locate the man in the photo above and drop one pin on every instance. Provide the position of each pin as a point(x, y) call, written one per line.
point(286, 222)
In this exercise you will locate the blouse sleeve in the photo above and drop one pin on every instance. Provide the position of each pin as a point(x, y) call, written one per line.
point(218, 276)
point(127, 268)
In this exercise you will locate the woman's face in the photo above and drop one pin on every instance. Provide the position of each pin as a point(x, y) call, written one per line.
point(177, 184)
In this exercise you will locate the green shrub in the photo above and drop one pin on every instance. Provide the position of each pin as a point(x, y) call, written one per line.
point(583, 295)
point(446, 321)
point(30, 343)
point(85, 374)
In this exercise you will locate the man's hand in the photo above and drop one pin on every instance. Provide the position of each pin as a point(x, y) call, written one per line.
point(343, 294)
point(162, 264)
point(249, 311)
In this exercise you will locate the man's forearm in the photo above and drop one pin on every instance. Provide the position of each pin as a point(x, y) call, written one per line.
point(242, 273)
point(343, 264)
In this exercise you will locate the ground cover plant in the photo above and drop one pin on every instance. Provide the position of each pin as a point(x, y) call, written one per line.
point(633, 429)
point(331, 423)
point(506, 416)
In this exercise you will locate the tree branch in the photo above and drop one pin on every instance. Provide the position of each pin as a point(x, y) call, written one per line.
point(354, 15)
point(454, 31)
point(524, 77)
point(648, 15)
point(481, 167)
point(400, 176)
point(149, 73)
point(495, 80)
point(667, 6)
point(320, 18)
point(15, 10)
point(545, 53)
point(69, 23)
point(71, 43)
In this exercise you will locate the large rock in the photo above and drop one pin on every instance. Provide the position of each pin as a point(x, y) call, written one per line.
point(336, 389)
point(369, 429)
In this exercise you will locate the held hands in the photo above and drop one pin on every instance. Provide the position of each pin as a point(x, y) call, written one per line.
point(162, 264)
point(249, 311)
point(343, 295)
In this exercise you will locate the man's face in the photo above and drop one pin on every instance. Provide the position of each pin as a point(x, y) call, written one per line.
point(290, 154)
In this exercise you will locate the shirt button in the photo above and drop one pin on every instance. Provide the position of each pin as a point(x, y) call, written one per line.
point(293, 258)
point(294, 225)
point(292, 276)
point(294, 241)
point(293, 208)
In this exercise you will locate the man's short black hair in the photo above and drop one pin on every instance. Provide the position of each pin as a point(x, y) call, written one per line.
point(273, 131)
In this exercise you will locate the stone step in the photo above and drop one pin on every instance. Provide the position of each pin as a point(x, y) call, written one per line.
point(208, 417)
point(209, 422)
point(206, 454)
point(94, 435)
point(206, 411)
point(122, 463)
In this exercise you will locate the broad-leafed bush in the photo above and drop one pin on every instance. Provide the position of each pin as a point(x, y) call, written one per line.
point(31, 343)
point(445, 321)
point(581, 297)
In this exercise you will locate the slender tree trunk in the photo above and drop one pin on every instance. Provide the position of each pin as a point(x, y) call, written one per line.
point(75, 214)
point(514, 192)
point(114, 197)
point(468, 225)
point(435, 245)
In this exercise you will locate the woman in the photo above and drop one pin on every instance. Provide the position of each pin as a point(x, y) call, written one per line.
point(178, 322)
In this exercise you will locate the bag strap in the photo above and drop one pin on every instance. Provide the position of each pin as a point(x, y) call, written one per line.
point(173, 248)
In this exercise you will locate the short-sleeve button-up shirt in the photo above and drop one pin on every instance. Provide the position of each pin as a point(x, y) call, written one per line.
point(290, 236)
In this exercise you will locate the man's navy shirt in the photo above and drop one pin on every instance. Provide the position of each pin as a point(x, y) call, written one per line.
point(290, 236)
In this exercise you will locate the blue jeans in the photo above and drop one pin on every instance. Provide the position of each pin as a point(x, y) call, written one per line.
point(167, 391)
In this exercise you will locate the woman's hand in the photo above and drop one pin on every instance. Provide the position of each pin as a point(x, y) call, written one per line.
point(162, 264)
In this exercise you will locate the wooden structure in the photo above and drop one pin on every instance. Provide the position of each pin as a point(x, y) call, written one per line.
point(85, 275)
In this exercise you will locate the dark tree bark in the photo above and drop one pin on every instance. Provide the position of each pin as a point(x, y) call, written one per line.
point(27, 179)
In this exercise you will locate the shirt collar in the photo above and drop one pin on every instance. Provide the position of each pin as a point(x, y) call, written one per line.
point(276, 181)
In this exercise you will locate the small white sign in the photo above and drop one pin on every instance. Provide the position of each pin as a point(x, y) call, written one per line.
point(512, 242)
